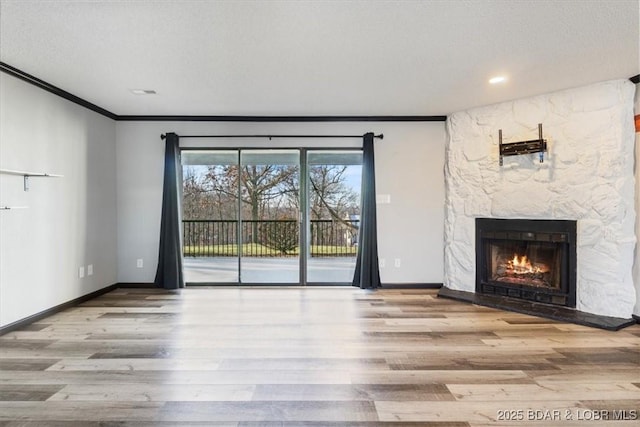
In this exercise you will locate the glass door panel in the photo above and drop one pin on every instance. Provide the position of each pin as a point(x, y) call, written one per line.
point(334, 183)
point(270, 216)
point(210, 216)
point(242, 211)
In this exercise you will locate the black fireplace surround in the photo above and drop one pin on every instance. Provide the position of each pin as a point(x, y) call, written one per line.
point(532, 260)
point(529, 266)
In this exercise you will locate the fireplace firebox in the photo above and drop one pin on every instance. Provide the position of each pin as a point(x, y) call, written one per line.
point(532, 260)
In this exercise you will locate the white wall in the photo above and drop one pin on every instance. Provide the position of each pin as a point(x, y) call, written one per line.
point(636, 265)
point(587, 176)
point(70, 221)
point(409, 165)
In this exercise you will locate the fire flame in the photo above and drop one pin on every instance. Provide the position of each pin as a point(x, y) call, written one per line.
point(522, 265)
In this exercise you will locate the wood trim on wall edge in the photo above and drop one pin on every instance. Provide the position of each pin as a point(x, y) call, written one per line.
point(411, 286)
point(55, 309)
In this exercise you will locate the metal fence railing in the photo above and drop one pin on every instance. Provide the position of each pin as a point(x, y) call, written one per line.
point(268, 238)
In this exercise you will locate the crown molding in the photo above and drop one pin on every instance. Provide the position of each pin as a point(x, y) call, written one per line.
point(293, 119)
point(16, 72)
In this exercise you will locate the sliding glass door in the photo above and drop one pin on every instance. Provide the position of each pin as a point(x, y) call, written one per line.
point(334, 181)
point(270, 216)
point(210, 210)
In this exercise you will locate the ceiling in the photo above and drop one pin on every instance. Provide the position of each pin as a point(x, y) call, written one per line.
point(317, 57)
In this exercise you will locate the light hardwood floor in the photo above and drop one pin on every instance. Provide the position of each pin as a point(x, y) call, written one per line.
point(312, 357)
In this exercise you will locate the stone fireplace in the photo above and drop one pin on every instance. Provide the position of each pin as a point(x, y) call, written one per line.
point(532, 260)
point(586, 182)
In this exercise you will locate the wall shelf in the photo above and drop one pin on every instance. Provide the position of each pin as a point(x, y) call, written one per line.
point(10, 208)
point(26, 175)
point(523, 147)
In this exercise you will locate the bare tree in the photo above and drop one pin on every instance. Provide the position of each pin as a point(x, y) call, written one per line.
point(330, 197)
point(263, 186)
point(267, 192)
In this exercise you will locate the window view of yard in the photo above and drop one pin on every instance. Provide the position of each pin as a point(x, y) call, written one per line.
point(248, 207)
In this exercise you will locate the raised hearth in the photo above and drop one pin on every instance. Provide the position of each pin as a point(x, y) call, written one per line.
point(548, 311)
point(529, 266)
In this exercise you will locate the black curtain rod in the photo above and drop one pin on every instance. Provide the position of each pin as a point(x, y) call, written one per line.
point(381, 136)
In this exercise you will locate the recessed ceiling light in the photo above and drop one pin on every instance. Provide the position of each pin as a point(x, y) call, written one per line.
point(143, 91)
point(497, 79)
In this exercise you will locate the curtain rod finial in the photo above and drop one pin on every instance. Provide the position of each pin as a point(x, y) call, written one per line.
point(381, 136)
point(163, 136)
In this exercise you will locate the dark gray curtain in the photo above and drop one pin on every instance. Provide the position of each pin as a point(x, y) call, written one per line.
point(169, 274)
point(367, 274)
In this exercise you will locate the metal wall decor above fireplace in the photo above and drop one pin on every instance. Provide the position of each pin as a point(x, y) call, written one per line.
point(533, 260)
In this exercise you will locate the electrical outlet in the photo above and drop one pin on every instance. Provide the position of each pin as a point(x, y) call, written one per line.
point(139, 263)
point(81, 272)
point(90, 270)
point(382, 262)
point(396, 263)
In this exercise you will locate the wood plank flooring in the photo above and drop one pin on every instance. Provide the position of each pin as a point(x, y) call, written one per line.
point(312, 357)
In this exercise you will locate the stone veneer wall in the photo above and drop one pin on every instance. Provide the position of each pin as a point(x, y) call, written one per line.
point(587, 175)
